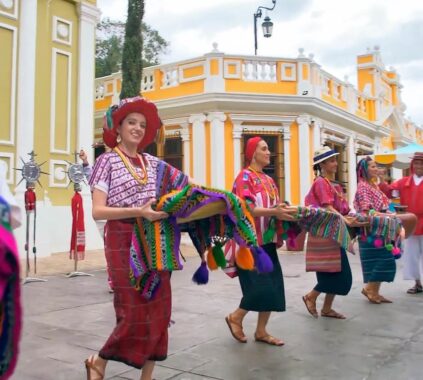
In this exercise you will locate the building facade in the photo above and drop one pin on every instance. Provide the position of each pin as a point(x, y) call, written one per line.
point(211, 104)
point(46, 92)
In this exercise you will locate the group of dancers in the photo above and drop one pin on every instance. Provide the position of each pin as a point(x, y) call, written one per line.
point(124, 185)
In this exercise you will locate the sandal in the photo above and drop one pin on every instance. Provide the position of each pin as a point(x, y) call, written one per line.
point(382, 299)
point(237, 334)
point(90, 366)
point(332, 314)
point(370, 297)
point(269, 339)
point(311, 306)
point(415, 289)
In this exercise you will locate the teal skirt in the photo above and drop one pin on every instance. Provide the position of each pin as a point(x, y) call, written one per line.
point(265, 291)
point(338, 283)
point(377, 264)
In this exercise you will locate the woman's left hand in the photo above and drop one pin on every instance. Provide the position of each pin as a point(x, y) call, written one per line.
point(147, 212)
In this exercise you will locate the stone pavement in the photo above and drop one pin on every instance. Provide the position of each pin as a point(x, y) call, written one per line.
point(66, 320)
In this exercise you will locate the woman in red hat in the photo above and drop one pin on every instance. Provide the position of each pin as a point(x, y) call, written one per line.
point(262, 292)
point(125, 184)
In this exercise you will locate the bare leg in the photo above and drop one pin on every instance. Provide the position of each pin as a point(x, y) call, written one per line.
point(261, 332)
point(96, 367)
point(327, 304)
point(147, 370)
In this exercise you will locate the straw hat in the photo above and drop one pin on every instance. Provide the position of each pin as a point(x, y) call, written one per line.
point(323, 154)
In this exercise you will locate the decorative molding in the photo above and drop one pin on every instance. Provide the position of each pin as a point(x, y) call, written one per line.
point(172, 133)
point(7, 159)
point(262, 129)
point(216, 116)
point(262, 118)
point(62, 31)
point(183, 79)
point(175, 121)
point(12, 5)
point(285, 76)
point(13, 86)
point(231, 63)
point(53, 149)
point(58, 177)
point(89, 13)
point(197, 118)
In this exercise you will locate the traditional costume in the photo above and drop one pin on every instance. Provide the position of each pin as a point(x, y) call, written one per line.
point(141, 324)
point(323, 255)
point(410, 190)
point(260, 292)
point(377, 262)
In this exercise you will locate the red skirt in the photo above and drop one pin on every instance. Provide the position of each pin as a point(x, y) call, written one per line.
point(322, 255)
point(141, 326)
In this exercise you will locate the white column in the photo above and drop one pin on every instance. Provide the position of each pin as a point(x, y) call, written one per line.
point(198, 144)
point(89, 15)
point(316, 135)
point(26, 86)
point(237, 136)
point(304, 150)
point(352, 176)
point(217, 149)
point(186, 148)
point(287, 162)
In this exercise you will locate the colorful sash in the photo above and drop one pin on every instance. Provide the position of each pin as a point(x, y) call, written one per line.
point(10, 306)
point(155, 245)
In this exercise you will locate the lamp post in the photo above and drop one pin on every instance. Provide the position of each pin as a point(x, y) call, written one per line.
point(267, 24)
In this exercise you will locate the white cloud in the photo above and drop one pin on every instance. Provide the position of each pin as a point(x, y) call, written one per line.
point(335, 31)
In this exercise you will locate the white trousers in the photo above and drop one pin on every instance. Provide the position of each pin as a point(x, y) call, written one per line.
point(413, 258)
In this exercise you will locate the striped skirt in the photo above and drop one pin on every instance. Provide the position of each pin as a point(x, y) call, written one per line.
point(338, 283)
point(322, 255)
point(377, 264)
point(141, 331)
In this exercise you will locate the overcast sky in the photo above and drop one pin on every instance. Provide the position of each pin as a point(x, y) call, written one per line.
point(335, 31)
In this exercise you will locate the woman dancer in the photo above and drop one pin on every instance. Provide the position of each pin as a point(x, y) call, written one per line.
point(377, 263)
point(324, 256)
point(124, 186)
point(263, 292)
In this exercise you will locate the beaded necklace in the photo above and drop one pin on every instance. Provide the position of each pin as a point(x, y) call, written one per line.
point(334, 188)
point(141, 179)
point(267, 185)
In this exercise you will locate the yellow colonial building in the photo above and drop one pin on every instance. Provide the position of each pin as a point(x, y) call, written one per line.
point(211, 104)
point(46, 105)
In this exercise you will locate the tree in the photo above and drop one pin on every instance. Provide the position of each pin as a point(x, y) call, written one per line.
point(109, 46)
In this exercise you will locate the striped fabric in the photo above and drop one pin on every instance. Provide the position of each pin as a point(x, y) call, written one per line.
point(378, 264)
point(322, 255)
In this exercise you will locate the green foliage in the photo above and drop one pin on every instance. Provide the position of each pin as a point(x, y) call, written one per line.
point(109, 47)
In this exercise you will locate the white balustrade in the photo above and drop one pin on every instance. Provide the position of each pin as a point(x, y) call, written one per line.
point(99, 90)
point(170, 76)
point(147, 81)
point(259, 71)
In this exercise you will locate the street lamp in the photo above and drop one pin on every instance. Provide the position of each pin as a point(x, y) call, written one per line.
point(267, 24)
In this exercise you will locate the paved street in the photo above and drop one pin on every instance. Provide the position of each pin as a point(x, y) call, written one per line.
point(68, 319)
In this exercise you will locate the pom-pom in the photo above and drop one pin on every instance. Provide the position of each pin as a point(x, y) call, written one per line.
point(284, 236)
point(396, 252)
point(219, 256)
point(201, 275)
point(370, 239)
point(211, 262)
point(378, 243)
point(262, 260)
point(389, 247)
point(363, 238)
point(244, 258)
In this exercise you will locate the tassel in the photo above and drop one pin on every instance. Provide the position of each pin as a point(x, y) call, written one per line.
point(389, 247)
point(211, 263)
point(201, 275)
point(219, 256)
point(370, 239)
point(262, 260)
point(396, 252)
point(244, 258)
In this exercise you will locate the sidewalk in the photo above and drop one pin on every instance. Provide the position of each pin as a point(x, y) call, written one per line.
point(66, 320)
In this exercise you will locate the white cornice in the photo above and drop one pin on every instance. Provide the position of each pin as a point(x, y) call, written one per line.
point(175, 121)
point(266, 104)
point(261, 118)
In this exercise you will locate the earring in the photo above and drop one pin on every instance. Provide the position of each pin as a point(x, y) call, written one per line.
point(118, 139)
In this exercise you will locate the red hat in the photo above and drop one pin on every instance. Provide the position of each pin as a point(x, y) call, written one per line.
point(251, 147)
point(417, 156)
point(117, 113)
